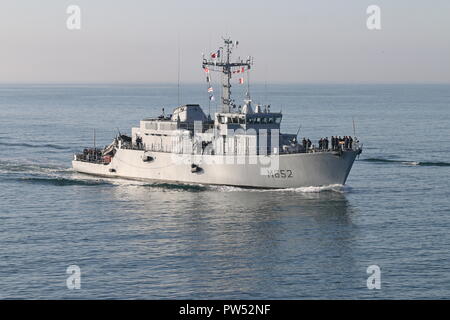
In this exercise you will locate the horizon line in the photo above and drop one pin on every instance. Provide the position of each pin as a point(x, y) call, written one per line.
point(201, 83)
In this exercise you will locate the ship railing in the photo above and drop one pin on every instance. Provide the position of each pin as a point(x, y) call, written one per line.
point(168, 149)
point(140, 146)
point(314, 149)
point(81, 157)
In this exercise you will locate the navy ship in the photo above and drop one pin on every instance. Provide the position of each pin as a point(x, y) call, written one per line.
point(241, 145)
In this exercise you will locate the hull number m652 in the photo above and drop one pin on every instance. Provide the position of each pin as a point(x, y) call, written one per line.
point(280, 174)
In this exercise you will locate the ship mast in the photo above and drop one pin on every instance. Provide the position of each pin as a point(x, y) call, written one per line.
point(220, 63)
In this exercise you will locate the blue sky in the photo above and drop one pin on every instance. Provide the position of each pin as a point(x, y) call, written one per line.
point(323, 41)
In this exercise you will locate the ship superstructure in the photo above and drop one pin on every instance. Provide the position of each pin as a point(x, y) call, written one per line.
point(241, 145)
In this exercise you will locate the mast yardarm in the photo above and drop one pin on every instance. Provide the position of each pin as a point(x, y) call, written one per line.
point(220, 61)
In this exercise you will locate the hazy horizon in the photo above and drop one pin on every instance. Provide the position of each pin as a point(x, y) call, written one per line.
point(259, 83)
point(293, 42)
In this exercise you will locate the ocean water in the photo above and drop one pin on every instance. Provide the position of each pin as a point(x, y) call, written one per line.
point(135, 240)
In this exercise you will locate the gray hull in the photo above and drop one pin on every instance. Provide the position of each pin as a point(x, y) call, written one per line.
point(291, 171)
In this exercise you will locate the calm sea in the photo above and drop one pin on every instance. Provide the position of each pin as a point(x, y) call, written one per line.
point(142, 240)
